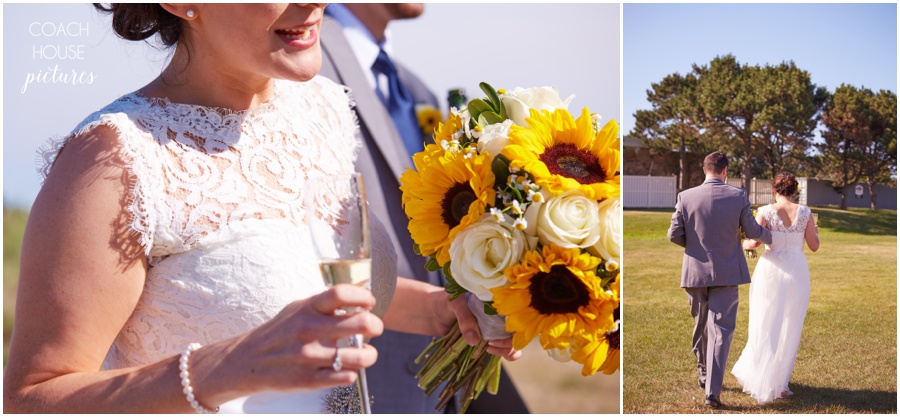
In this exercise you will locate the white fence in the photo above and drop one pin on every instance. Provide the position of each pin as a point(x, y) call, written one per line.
point(760, 190)
point(643, 192)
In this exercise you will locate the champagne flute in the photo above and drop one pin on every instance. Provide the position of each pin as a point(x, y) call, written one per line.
point(338, 222)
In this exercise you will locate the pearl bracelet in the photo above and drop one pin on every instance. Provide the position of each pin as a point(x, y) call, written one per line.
point(186, 381)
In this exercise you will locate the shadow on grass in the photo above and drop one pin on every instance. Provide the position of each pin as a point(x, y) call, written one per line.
point(856, 220)
point(853, 220)
point(808, 399)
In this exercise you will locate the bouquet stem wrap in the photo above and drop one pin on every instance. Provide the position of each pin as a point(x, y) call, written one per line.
point(469, 369)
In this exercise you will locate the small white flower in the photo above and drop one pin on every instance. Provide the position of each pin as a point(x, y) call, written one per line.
point(513, 170)
point(517, 208)
point(612, 265)
point(513, 178)
point(456, 135)
point(595, 120)
point(498, 215)
point(520, 224)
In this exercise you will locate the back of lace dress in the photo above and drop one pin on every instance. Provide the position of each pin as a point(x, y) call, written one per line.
point(217, 202)
point(775, 222)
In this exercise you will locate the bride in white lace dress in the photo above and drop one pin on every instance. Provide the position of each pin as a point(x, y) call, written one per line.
point(174, 217)
point(779, 295)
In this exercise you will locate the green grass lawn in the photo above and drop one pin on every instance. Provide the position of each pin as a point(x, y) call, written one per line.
point(13, 229)
point(847, 361)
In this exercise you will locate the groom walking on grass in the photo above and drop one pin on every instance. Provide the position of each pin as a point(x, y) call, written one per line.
point(707, 223)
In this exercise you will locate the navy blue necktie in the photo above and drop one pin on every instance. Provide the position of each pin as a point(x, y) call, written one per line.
point(399, 104)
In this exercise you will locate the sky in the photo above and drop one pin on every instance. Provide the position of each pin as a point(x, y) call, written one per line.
point(836, 43)
point(573, 47)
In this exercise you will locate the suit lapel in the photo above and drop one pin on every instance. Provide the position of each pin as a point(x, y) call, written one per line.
point(372, 115)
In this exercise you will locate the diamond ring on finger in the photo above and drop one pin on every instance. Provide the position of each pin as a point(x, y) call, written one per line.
point(337, 365)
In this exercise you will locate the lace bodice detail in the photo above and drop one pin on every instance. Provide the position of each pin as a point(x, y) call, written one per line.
point(784, 237)
point(217, 202)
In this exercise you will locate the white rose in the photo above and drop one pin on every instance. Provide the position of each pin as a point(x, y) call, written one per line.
point(569, 220)
point(518, 102)
point(609, 246)
point(494, 138)
point(482, 251)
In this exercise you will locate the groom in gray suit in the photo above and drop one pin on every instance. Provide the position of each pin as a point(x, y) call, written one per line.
point(356, 53)
point(707, 223)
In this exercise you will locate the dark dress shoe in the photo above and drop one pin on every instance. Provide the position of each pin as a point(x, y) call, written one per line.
point(713, 401)
point(701, 383)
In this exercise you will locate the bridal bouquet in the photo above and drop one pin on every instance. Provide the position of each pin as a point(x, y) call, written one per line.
point(517, 202)
point(749, 253)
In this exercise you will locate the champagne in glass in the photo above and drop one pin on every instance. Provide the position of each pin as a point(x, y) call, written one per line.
point(338, 221)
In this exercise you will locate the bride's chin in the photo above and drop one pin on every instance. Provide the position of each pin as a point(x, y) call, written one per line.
point(300, 70)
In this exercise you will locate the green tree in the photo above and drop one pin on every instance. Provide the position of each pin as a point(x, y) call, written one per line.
point(879, 147)
point(768, 112)
point(788, 119)
point(673, 122)
point(860, 138)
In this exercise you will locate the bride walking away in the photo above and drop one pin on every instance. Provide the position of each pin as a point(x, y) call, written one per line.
point(779, 295)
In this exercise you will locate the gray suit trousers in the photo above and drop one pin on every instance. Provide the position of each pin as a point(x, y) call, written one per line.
point(715, 312)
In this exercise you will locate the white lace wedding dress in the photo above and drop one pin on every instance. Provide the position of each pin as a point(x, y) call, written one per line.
point(779, 295)
point(218, 205)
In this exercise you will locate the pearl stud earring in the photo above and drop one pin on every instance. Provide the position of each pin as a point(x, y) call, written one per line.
point(190, 13)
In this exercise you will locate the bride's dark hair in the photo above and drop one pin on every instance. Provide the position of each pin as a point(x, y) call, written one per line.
point(785, 184)
point(139, 21)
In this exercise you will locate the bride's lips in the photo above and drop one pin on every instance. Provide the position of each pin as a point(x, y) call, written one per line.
point(300, 37)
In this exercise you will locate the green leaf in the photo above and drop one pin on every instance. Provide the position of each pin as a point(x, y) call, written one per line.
point(489, 118)
point(492, 96)
point(489, 308)
point(500, 166)
point(432, 264)
point(446, 270)
point(453, 288)
point(416, 249)
point(478, 106)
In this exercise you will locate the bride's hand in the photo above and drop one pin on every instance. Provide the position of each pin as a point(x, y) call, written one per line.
point(296, 349)
point(750, 244)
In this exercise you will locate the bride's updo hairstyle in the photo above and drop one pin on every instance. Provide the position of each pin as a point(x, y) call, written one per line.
point(140, 21)
point(785, 184)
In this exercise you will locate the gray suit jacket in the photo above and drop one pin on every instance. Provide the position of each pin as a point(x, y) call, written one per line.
point(707, 223)
point(382, 159)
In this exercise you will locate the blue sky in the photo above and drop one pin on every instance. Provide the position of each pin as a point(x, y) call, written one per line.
point(574, 47)
point(836, 43)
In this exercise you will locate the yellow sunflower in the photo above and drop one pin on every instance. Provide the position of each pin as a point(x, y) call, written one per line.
point(429, 118)
point(564, 154)
point(556, 294)
point(446, 192)
point(446, 130)
point(600, 351)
